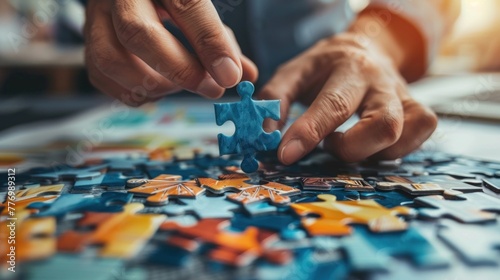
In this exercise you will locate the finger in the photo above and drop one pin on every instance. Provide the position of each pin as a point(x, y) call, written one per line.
point(288, 83)
point(112, 88)
point(419, 124)
point(111, 58)
point(380, 126)
point(140, 31)
point(250, 71)
point(200, 23)
point(337, 101)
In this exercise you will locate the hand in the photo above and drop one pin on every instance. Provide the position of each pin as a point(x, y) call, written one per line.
point(339, 77)
point(132, 57)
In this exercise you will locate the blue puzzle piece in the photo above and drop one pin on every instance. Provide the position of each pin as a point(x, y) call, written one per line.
point(248, 116)
point(406, 244)
point(286, 225)
point(110, 180)
point(69, 173)
point(204, 207)
point(107, 202)
point(68, 266)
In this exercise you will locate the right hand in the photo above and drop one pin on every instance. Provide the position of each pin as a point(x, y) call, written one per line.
point(132, 57)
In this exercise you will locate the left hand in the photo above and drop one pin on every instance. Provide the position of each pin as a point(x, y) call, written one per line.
point(338, 77)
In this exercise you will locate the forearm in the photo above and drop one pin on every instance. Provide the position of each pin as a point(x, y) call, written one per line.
point(401, 41)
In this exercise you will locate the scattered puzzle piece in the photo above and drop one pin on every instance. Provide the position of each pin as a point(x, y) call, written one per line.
point(248, 192)
point(68, 173)
point(428, 185)
point(203, 206)
point(121, 235)
point(64, 266)
point(348, 182)
point(66, 203)
point(34, 238)
point(335, 216)
point(110, 180)
point(477, 245)
point(248, 116)
point(472, 209)
point(163, 187)
point(38, 191)
point(286, 225)
point(492, 184)
point(233, 248)
point(409, 244)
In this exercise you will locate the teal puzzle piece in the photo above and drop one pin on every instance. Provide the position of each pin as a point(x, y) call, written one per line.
point(248, 116)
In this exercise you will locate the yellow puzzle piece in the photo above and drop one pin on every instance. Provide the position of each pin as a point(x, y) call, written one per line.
point(161, 188)
point(248, 192)
point(335, 216)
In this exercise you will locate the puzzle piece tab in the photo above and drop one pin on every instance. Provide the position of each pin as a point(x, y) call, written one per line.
point(335, 216)
point(248, 192)
point(248, 116)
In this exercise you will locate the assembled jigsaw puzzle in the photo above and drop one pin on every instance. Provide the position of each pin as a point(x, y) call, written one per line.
point(145, 205)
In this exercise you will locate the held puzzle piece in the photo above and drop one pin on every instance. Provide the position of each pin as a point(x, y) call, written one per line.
point(335, 216)
point(121, 235)
point(248, 192)
point(248, 116)
point(163, 187)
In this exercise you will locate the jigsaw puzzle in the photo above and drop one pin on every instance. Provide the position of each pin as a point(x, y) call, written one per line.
point(248, 117)
point(147, 205)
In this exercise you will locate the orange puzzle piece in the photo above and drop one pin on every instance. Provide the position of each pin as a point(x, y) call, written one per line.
point(34, 237)
point(249, 192)
point(27, 196)
point(233, 248)
point(335, 216)
point(121, 235)
point(161, 188)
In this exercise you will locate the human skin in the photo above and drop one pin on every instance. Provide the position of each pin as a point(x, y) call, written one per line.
point(337, 77)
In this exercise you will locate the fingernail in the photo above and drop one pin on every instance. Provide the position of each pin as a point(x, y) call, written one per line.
point(209, 88)
point(227, 73)
point(292, 151)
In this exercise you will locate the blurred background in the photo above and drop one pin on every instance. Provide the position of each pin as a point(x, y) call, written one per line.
point(41, 51)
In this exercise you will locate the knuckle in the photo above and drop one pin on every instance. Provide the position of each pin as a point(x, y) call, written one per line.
point(314, 130)
point(337, 104)
point(182, 75)
point(133, 31)
point(210, 40)
point(183, 6)
point(391, 128)
point(428, 119)
point(104, 60)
